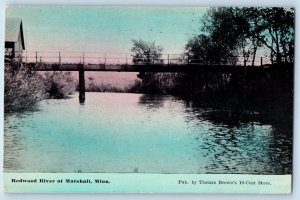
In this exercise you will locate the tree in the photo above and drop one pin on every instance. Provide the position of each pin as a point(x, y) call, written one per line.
point(278, 33)
point(202, 49)
point(242, 31)
point(198, 49)
point(222, 34)
point(225, 29)
point(150, 53)
point(146, 52)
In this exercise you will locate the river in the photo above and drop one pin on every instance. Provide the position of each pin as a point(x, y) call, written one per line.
point(122, 132)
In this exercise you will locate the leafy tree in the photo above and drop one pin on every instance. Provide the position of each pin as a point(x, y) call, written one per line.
point(198, 49)
point(146, 52)
point(222, 33)
point(249, 42)
point(202, 49)
point(225, 29)
point(278, 32)
point(247, 29)
point(151, 82)
point(230, 32)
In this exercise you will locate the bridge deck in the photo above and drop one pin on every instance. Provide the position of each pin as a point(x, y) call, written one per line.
point(190, 68)
point(195, 68)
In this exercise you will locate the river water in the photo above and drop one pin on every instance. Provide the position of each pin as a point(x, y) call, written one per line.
point(121, 132)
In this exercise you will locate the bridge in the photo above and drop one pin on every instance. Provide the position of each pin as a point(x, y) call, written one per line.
point(103, 62)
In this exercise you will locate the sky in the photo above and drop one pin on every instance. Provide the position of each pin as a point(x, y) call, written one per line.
point(107, 29)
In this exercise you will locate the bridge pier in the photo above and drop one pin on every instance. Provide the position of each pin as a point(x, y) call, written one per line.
point(81, 84)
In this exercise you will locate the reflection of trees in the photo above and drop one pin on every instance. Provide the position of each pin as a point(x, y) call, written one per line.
point(250, 148)
point(152, 101)
point(266, 98)
point(236, 150)
point(281, 148)
point(230, 118)
point(278, 116)
point(221, 116)
point(239, 142)
point(222, 147)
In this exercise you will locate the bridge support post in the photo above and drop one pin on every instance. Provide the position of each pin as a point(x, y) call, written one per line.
point(81, 85)
point(59, 59)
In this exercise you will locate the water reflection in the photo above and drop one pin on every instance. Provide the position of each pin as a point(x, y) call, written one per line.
point(242, 141)
point(13, 144)
point(144, 134)
point(237, 141)
point(152, 101)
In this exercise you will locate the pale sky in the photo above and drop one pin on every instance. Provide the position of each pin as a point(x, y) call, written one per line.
point(106, 29)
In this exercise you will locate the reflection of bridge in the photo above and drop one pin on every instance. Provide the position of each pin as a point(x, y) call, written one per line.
point(74, 61)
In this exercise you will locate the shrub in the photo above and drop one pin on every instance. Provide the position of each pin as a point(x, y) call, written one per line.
point(22, 88)
point(59, 84)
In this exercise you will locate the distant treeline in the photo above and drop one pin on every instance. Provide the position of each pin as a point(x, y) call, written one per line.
point(92, 86)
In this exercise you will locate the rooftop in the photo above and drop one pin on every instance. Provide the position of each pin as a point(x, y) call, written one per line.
point(13, 26)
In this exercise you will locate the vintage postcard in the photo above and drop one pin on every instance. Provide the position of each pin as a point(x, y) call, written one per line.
point(152, 99)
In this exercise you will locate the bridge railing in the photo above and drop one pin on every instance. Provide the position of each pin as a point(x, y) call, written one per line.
point(100, 58)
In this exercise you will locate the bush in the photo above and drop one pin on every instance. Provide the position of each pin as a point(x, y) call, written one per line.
point(59, 84)
point(22, 88)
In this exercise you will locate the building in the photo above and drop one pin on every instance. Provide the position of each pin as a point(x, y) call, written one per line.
point(14, 39)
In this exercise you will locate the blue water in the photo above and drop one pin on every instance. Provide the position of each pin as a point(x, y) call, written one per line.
point(121, 132)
